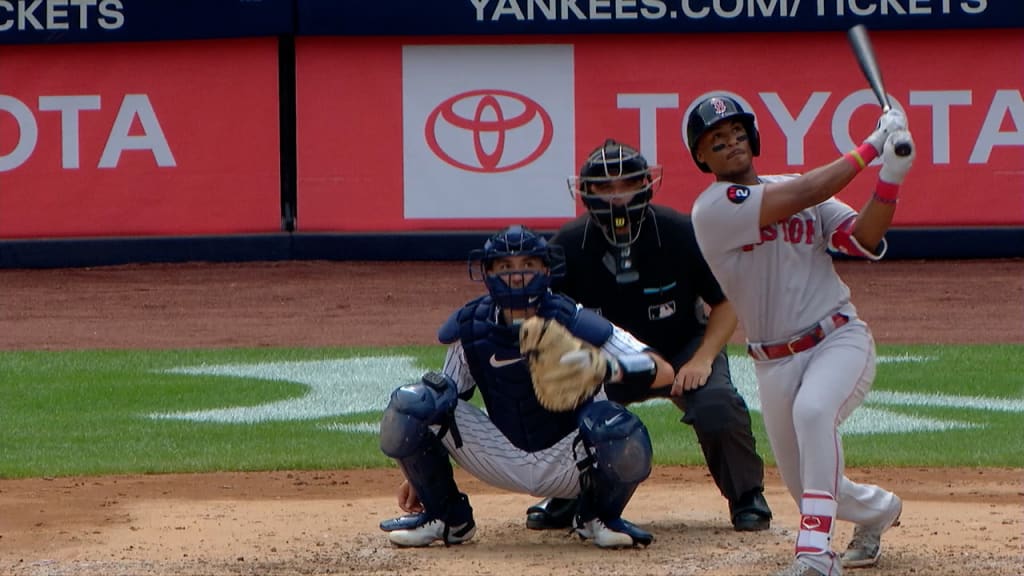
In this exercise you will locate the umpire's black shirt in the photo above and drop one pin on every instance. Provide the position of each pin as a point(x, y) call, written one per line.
point(661, 308)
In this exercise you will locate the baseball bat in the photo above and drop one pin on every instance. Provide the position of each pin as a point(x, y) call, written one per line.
point(865, 54)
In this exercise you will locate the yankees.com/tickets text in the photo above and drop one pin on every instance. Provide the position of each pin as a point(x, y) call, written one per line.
point(61, 14)
point(605, 10)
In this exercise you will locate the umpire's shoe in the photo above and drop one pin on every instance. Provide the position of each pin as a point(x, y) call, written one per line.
point(551, 514)
point(751, 513)
point(417, 530)
point(866, 546)
point(616, 533)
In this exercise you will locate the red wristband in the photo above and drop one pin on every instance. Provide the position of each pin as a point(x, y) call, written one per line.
point(887, 192)
point(861, 156)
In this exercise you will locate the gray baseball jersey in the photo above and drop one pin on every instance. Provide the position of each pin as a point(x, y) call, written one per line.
point(780, 277)
point(781, 280)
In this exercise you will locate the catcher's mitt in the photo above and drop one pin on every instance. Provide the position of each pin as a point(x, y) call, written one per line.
point(565, 370)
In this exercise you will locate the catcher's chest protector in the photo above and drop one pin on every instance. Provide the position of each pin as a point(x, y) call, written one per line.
point(503, 377)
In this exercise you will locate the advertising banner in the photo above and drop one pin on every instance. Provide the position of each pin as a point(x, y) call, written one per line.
point(427, 136)
point(469, 17)
point(480, 125)
point(62, 21)
point(153, 139)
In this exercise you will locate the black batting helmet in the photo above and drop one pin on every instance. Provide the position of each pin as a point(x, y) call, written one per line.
point(711, 111)
point(620, 221)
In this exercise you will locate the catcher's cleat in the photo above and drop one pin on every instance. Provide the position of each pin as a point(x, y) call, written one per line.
point(551, 514)
point(432, 531)
point(415, 530)
point(616, 533)
point(866, 546)
point(751, 513)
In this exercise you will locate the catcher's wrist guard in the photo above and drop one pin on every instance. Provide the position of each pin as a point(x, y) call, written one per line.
point(634, 370)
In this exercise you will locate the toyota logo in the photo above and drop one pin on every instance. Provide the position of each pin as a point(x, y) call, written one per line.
point(507, 116)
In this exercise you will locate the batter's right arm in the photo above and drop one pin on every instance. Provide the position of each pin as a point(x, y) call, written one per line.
point(783, 199)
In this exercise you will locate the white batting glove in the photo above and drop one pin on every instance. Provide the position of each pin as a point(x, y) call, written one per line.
point(895, 167)
point(888, 123)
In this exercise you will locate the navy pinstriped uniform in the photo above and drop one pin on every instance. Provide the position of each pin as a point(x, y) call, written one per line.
point(516, 444)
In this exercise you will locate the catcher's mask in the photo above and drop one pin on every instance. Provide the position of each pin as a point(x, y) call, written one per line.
point(616, 184)
point(516, 289)
point(711, 111)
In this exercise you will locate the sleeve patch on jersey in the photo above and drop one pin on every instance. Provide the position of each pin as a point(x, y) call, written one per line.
point(737, 194)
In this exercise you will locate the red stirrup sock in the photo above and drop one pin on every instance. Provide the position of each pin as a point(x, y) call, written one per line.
point(817, 522)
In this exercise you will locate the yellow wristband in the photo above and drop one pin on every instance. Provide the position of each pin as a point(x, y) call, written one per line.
point(860, 164)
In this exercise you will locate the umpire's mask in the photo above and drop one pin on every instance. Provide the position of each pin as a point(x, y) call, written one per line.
point(616, 184)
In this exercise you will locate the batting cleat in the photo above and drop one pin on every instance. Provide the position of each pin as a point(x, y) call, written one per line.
point(866, 546)
point(551, 513)
point(432, 531)
point(798, 568)
point(616, 533)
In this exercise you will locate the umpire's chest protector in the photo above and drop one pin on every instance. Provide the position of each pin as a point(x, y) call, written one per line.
point(502, 374)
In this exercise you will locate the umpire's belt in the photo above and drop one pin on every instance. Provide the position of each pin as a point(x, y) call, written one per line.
point(800, 342)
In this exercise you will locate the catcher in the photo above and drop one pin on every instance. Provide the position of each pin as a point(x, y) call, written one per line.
point(540, 363)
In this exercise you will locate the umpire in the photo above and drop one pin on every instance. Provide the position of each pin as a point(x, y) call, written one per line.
point(638, 264)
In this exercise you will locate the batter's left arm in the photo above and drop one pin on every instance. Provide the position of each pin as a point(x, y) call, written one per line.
point(697, 370)
point(872, 223)
point(876, 216)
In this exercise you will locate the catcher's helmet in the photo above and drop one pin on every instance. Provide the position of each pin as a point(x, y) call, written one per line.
point(619, 215)
point(711, 111)
point(516, 240)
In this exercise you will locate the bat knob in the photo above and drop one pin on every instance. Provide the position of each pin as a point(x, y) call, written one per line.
point(903, 148)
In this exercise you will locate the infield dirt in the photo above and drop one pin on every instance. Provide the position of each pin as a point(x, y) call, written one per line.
point(955, 521)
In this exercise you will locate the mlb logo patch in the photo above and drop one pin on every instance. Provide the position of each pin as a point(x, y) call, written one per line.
point(662, 311)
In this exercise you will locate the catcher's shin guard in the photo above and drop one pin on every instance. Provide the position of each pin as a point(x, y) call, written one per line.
point(618, 459)
point(412, 409)
point(617, 441)
point(602, 498)
point(405, 435)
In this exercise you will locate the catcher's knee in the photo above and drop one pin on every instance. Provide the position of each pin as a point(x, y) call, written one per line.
point(618, 441)
point(413, 408)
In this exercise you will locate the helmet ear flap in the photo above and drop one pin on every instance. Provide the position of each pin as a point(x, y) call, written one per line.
point(754, 137)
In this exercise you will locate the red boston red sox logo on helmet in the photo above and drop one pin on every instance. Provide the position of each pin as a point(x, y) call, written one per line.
point(737, 194)
point(719, 105)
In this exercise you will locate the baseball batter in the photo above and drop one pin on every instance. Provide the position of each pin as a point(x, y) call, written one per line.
point(766, 238)
point(598, 452)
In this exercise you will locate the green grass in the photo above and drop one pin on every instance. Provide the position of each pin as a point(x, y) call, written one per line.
point(89, 412)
